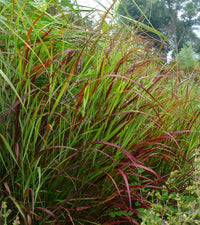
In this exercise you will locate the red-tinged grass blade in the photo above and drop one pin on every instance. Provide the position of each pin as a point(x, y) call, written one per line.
point(125, 58)
point(106, 14)
point(17, 102)
point(120, 222)
point(32, 196)
point(109, 89)
point(126, 208)
point(61, 115)
point(115, 184)
point(49, 148)
point(78, 122)
point(47, 33)
point(49, 62)
point(130, 220)
point(29, 219)
point(147, 169)
point(175, 106)
point(129, 155)
point(68, 199)
point(31, 28)
point(153, 140)
point(83, 208)
point(123, 220)
point(18, 156)
point(132, 81)
point(151, 106)
point(66, 82)
point(7, 188)
point(80, 95)
point(27, 40)
point(69, 215)
point(80, 180)
point(48, 128)
point(173, 138)
point(49, 213)
point(165, 157)
point(127, 186)
point(115, 222)
point(137, 186)
point(108, 199)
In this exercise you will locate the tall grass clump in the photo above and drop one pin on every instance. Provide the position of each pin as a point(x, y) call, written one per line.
point(91, 118)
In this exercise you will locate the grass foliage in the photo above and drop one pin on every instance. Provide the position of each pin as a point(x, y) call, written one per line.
point(91, 118)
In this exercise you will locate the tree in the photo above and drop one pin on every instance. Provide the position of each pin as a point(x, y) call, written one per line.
point(186, 58)
point(183, 17)
point(148, 12)
point(175, 18)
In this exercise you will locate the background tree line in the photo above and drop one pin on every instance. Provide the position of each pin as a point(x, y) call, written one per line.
point(176, 19)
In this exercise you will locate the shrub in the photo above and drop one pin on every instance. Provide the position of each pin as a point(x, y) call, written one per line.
point(4, 214)
point(186, 58)
point(176, 207)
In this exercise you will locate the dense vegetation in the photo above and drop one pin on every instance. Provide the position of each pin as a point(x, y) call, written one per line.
point(93, 121)
point(176, 19)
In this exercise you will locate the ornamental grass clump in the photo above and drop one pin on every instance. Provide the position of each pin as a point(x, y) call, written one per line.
point(91, 118)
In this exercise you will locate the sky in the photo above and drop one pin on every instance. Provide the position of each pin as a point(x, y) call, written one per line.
point(95, 5)
point(92, 3)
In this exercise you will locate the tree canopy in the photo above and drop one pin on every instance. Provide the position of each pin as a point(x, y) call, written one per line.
point(174, 18)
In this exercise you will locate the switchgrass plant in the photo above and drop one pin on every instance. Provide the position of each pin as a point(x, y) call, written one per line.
point(91, 118)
